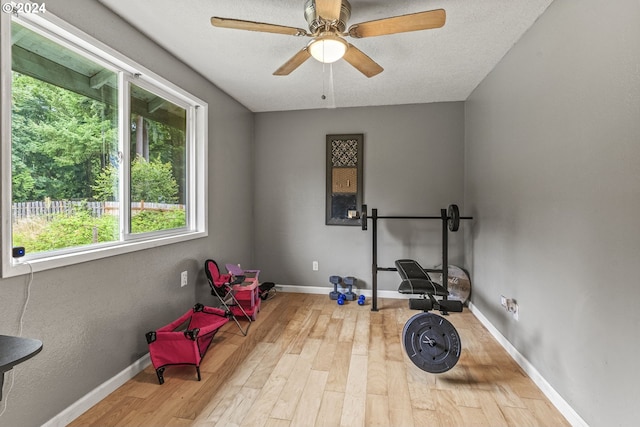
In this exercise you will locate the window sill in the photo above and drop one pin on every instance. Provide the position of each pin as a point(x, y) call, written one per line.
point(25, 265)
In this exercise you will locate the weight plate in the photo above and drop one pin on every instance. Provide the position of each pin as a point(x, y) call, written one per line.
point(431, 342)
point(454, 218)
point(458, 283)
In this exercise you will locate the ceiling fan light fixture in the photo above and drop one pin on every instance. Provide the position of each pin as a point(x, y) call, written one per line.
point(328, 48)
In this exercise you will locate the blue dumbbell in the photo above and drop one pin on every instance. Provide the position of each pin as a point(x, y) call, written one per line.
point(361, 300)
point(341, 299)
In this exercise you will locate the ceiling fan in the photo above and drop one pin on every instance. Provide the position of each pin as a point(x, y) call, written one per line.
point(327, 21)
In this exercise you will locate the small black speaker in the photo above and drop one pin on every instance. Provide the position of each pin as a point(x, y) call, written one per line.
point(18, 251)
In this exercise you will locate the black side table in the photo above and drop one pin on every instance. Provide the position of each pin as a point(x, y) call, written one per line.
point(15, 350)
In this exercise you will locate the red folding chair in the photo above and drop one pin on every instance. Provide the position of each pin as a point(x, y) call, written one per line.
point(222, 287)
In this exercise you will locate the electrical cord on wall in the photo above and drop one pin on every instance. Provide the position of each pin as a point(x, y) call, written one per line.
point(26, 301)
point(24, 310)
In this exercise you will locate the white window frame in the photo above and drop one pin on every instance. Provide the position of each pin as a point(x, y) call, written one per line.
point(125, 179)
point(128, 72)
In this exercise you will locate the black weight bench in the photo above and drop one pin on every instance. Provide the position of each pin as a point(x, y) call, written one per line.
point(415, 280)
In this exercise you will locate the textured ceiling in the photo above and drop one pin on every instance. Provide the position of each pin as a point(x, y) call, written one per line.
point(436, 65)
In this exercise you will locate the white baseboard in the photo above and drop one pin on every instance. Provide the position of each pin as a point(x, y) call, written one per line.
point(324, 290)
point(109, 386)
point(556, 400)
point(103, 390)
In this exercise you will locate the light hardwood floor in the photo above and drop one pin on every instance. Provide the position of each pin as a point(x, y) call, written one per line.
point(308, 361)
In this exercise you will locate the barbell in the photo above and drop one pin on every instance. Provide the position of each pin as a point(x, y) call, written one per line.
point(452, 217)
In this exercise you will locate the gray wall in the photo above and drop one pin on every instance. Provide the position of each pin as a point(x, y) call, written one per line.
point(413, 165)
point(92, 317)
point(553, 176)
point(551, 145)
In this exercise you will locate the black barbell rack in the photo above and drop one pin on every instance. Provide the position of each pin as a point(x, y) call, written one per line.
point(450, 221)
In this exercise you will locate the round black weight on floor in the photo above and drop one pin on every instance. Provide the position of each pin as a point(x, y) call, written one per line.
point(431, 342)
point(454, 217)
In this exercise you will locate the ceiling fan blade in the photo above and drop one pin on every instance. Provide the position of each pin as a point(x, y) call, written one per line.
point(328, 9)
point(399, 24)
point(238, 24)
point(362, 62)
point(293, 63)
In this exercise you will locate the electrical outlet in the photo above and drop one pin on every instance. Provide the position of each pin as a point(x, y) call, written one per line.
point(512, 307)
point(503, 301)
point(315, 266)
point(183, 279)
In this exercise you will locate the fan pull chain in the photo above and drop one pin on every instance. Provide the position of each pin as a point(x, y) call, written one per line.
point(333, 93)
point(323, 97)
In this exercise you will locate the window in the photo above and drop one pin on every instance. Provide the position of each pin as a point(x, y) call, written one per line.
point(158, 175)
point(64, 133)
point(100, 156)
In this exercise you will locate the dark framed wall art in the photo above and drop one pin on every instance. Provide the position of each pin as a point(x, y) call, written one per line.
point(344, 179)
